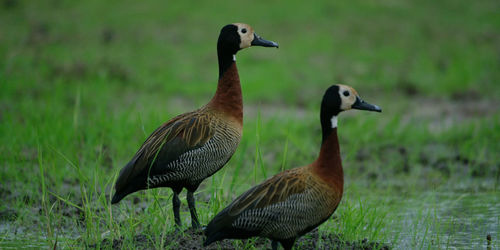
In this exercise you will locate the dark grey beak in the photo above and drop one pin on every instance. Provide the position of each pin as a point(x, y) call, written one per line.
point(259, 41)
point(362, 105)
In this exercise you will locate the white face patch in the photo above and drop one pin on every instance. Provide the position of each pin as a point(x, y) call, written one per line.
point(234, 58)
point(246, 37)
point(346, 101)
point(334, 121)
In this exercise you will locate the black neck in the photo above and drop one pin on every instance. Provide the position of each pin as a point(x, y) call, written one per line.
point(329, 108)
point(326, 124)
point(225, 60)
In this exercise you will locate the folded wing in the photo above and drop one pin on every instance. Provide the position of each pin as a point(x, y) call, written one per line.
point(161, 150)
point(282, 207)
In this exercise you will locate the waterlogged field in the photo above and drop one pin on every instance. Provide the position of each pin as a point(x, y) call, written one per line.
point(82, 84)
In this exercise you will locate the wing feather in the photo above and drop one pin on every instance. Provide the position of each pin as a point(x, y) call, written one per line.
point(174, 138)
point(274, 190)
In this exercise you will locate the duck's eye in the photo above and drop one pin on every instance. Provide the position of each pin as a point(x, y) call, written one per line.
point(243, 30)
point(346, 93)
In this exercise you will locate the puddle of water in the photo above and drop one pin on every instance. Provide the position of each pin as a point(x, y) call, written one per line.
point(22, 245)
point(26, 237)
point(427, 219)
point(447, 220)
point(23, 241)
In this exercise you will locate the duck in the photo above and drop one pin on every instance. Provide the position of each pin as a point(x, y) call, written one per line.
point(192, 146)
point(294, 202)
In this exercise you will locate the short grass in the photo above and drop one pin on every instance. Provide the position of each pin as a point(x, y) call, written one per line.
point(82, 84)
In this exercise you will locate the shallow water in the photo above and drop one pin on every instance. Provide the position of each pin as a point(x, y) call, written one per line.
point(447, 220)
point(420, 220)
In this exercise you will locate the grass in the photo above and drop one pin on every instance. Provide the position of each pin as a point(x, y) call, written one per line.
point(83, 84)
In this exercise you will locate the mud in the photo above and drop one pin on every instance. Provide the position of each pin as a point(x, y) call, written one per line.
point(107, 36)
point(442, 113)
point(8, 215)
point(191, 239)
point(10, 4)
point(438, 157)
point(39, 34)
point(78, 70)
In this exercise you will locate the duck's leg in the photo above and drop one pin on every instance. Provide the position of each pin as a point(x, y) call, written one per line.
point(176, 204)
point(288, 244)
point(192, 209)
point(274, 245)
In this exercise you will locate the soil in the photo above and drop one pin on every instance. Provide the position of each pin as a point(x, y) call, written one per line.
point(8, 215)
point(439, 157)
point(191, 239)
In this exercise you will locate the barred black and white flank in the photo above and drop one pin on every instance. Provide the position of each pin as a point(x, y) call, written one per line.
point(193, 146)
point(292, 203)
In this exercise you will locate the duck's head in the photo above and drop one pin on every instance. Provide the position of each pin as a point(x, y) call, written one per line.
point(340, 98)
point(237, 36)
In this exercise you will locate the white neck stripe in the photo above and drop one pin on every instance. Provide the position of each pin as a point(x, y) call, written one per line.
point(334, 121)
point(234, 58)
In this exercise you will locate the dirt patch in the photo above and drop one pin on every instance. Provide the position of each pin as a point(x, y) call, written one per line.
point(8, 215)
point(10, 4)
point(70, 71)
point(191, 239)
point(107, 36)
point(441, 158)
point(39, 34)
point(440, 113)
point(79, 70)
point(409, 88)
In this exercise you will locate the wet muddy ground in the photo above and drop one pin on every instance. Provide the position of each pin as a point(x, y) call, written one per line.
point(435, 192)
point(190, 239)
point(468, 205)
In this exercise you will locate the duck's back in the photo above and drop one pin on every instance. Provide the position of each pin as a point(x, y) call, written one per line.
point(285, 206)
point(181, 153)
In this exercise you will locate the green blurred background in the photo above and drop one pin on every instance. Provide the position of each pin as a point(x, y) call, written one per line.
point(82, 84)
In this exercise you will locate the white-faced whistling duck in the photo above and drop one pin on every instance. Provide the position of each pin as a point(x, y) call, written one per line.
point(295, 201)
point(193, 146)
